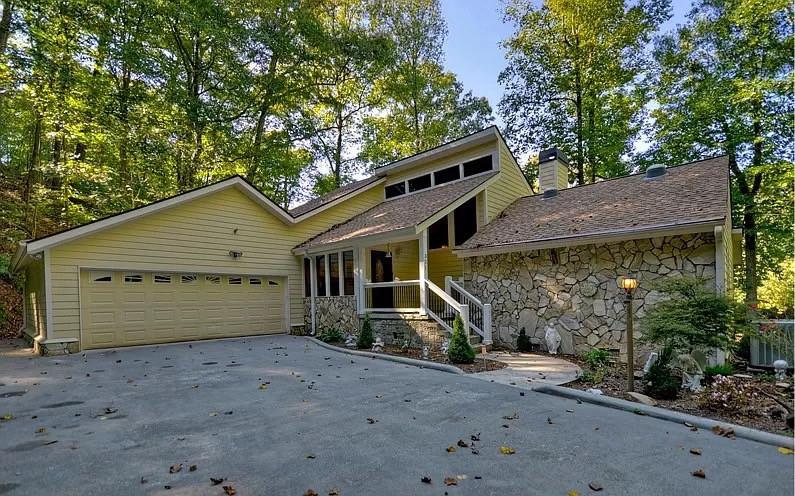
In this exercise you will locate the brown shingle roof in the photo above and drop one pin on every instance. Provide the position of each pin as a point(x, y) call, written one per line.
point(687, 194)
point(398, 213)
point(331, 196)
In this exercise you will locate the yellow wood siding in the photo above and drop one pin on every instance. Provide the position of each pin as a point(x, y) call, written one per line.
point(425, 167)
point(405, 260)
point(509, 186)
point(35, 300)
point(441, 263)
point(195, 236)
point(553, 175)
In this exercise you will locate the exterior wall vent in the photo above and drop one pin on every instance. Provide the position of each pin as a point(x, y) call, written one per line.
point(655, 170)
point(550, 193)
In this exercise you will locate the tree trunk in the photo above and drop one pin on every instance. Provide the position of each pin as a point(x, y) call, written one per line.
point(5, 25)
point(748, 193)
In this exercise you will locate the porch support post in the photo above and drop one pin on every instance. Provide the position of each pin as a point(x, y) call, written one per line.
point(465, 319)
point(487, 339)
point(359, 260)
point(313, 292)
point(423, 256)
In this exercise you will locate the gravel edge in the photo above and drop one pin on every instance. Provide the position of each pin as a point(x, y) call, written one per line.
point(669, 415)
point(423, 364)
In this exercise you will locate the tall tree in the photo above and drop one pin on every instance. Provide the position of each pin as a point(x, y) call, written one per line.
point(356, 57)
point(422, 105)
point(725, 86)
point(571, 78)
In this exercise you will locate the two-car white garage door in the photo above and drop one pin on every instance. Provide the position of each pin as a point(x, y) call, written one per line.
point(123, 308)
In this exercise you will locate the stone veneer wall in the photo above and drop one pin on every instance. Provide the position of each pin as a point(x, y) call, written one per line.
point(340, 312)
point(332, 312)
point(576, 288)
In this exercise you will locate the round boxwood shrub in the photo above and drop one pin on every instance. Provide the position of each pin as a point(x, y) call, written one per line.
point(365, 339)
point(460, 351)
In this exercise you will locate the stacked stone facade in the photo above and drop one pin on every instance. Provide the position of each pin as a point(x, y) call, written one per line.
point(576, 288)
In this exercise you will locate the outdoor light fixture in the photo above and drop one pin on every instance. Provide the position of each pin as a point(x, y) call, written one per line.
point(629, 284)
point(235, 254)
point(388, 251)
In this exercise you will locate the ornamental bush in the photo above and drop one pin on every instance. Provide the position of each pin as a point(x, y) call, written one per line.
point(332, 335)
point(523, 343)
point(694, 316)
point(365, 339)
point(460, 351)
point(660, 381)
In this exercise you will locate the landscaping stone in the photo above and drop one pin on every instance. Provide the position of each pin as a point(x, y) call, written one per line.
point(579, 293)
point(641, 398)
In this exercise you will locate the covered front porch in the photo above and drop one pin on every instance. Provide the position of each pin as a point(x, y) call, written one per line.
point(396, 260)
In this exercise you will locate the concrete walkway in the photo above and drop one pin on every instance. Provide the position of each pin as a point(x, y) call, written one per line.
point(526, 370)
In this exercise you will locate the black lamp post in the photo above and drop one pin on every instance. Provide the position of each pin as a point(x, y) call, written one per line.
point(629, 283)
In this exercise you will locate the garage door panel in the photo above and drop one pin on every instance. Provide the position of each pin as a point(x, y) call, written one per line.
point(176, 308)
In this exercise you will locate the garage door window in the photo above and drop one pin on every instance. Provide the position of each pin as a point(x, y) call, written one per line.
point(213, 279)
point(188, 278)
point(163, 278)
point(255, 281)
point(133, 278)
point(273, 283)
point(235, 280)
point(100, 277)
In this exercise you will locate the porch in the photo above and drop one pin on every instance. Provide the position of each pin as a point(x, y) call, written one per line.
point(399, 279)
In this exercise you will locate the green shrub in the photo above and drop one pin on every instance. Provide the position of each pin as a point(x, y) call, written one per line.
point(693, 317)
point(365, 339)
point(712, 371)
point(332, 335)
point(460, 351)
point(523, 343)
point(660, 382)
point(596, 357)
point(593, 377)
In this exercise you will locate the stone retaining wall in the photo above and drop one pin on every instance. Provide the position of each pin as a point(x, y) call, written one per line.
point(576, 288)
point(395, 330)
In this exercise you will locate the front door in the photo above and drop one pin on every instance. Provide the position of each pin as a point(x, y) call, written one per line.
point(381, 271)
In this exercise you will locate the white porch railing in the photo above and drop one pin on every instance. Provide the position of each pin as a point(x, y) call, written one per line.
point(395, 296)
point(443, 308)
point(479, 313)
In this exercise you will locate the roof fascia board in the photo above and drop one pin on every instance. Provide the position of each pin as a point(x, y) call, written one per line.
point(613, 237)
point(402, 234)
point(326, 206)
point(455, 204)
point(78, 232)
point(473, 139)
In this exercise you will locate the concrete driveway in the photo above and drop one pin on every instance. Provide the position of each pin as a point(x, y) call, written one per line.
point(114, 422)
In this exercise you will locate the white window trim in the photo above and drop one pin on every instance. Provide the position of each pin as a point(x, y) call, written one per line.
point(494, 167)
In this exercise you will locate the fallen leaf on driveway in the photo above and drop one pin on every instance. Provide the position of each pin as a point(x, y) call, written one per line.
point(513, 416)
point(213, 414)
point(371, 420)
point(334, 492)
point(507, 450)
point(475, 437)
point(192, 468)
point(110, 411)
point(175, 468)
point(7, 417)
point(230, 490)
point(572, 493)
point(263, 386)
point(785, 451)
point(215, 482)
point(450, 481)
point(425, 480)
point(462, 444)
point(40, 430)
point(311, 457)
point(595, 486)
point(700, 474)
point(549, 421)
point(724, 432)
point(688, 424)
point(310, 492)
point(451, 449)
point(695, 451)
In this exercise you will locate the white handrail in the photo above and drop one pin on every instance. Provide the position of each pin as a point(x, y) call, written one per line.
point(441, 294)
point(391, 284)
point(466, 294)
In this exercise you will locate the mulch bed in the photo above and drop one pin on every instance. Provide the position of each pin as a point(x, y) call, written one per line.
point(761, 415)
point(480, 364)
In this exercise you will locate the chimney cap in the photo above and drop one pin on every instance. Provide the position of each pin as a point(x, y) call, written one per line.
point(655, 170)
point(553, 153)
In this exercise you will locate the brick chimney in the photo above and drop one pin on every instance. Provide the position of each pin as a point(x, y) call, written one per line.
point(553, 171)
